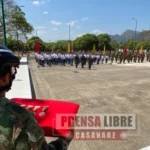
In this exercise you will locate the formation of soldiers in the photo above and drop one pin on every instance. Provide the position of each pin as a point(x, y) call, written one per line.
point(84, 58)
point(130, 56)
point(63, 59)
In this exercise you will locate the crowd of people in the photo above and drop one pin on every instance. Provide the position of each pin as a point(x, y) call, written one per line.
point(63, 59)
point(83, 58)
point(130, 56)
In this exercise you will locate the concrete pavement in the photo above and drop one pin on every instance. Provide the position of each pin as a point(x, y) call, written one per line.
point(104, 89)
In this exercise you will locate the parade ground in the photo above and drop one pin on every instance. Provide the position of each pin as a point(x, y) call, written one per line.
point(105, 89)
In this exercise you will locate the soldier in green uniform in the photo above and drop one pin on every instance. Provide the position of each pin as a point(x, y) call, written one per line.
point(83, 61)
point(18, 127)
point(143, 56)
point(90, 61)
point(132, 55)
point(120, 55)
point(76, 60)
point(124, 57)
point(129, 56)
point(135, 55)
point(148, 56)
point(112, 56)
point(116, 56)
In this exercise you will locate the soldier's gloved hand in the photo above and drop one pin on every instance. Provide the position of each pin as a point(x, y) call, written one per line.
point(62, 143)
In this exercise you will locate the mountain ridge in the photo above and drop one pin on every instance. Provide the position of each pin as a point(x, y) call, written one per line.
point(129, 34)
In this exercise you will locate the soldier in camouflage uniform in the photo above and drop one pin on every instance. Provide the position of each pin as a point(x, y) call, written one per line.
point(129, 56)
point(112, 57)
point(148, 56)
point(125, 57)
point(143, 56)
point(90, 61)
point(132, 55)
point(18, 128)
point(135, 55)
point(116, 56)
point(76, 60)
point(120, 55)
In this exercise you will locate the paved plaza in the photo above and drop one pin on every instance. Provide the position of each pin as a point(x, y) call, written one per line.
point(105, 89)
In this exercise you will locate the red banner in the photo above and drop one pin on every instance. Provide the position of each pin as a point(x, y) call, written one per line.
point(46, 112)
point(37, 47)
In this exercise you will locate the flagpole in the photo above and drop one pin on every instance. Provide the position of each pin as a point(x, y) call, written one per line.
point(4, 26)
point(69, 31)
point(69, 40)
point(135, 27)
point(72, 46)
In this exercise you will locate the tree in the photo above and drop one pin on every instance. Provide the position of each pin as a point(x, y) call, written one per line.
point(16, 24)
point(131, 44)
point(30, 45)
point(144, 44)
point(104, 40)
point(114, 45)
point(86, 42)
point(121, 45)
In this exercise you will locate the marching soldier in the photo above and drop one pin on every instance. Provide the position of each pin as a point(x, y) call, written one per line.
point(148, 56)
point(143, 56)
point(83, 61)
point(76, 60)
point(116, 56)
point(112, 56)
point(90, 61)
point(120, 55)
point(135, 55)
point(106, 58)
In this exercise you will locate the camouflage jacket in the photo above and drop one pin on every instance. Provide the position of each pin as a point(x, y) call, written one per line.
point(20, 131)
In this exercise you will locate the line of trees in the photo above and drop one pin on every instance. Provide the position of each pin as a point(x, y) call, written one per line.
point(86, 43)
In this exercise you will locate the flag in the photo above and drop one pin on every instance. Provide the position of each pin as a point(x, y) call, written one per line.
point(141, 50)
point(37, 47)
point(125, 51)
point(48, 114)
point(69, 47)
point(104, 51)
point(94, 48)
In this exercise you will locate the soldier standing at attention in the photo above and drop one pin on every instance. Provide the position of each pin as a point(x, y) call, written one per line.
point(102, 58)
point(18, 128)
point(97, 58)
point(143, 56)
point(106, 58)
point(83, 61)
point(76, 60)
point(116, 56)
point(135, 55)
point(148, 56)
point(112, 57)
point(90, 61)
